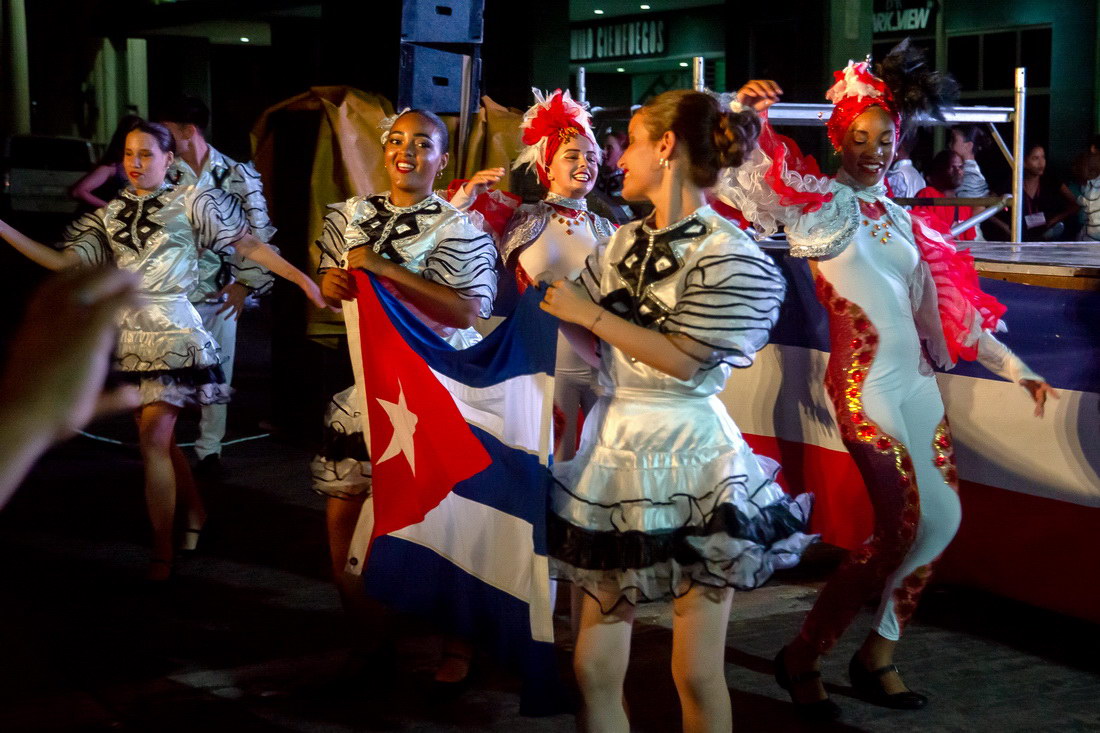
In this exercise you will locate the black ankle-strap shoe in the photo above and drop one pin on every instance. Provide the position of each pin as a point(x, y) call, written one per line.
point(819, 710)
point(868, 685)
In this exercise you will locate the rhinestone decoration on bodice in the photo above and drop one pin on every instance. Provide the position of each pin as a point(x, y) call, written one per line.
point(649, 260)
point(137, 226)
point(388, 226)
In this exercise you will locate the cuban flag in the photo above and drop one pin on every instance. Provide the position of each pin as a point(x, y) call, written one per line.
point(455, 529)
point(1030, 488)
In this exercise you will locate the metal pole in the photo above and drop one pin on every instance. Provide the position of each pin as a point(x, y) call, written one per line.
point(1018, 155)
point(464, 115)
point(698, 74)
point(1000, 142)
point(582, 90)
point(18, 68)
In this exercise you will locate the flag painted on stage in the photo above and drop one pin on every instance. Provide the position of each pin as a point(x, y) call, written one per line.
point(456, 524)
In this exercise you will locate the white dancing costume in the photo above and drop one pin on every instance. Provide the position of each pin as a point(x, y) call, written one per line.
point(664, 493)
point(882, 302)
point(163, 346)
point(242, 181)
point(554, 237)
point(430, 238)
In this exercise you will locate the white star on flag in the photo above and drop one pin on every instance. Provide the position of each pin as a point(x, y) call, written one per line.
point(404, 426)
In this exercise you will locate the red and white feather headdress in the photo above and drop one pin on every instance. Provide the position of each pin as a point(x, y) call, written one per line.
point(552, 120)
point(855, 90)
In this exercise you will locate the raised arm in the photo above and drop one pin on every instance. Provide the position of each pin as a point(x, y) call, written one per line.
point(251, 248)
point(48, 257)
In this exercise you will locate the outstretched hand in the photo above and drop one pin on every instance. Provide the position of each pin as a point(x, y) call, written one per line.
point(1039, 392)
point(482, 181)
point(759, 94)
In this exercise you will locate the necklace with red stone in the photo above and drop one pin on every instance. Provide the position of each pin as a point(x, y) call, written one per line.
point(569, 217)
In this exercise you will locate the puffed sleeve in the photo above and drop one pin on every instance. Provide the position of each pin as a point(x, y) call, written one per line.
point(730, 300)
point(333, 242)
point(87, 236)
point(248, 187)
point(590, 275)
point(465, 259)
point(218, 220)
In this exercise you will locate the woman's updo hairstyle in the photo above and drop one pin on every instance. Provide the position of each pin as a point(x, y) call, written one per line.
point(715, 137)
point(436, 122)
point(163, 137)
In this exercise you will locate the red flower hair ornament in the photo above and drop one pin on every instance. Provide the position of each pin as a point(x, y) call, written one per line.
point(552, 120)
point(857, 89)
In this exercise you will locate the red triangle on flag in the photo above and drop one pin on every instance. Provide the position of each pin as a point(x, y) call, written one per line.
point(420, 444)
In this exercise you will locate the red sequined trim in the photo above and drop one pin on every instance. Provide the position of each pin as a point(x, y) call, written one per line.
point(854, 343)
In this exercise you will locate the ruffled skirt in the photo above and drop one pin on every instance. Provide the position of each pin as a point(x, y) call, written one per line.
point(665, 494)
point(166, 352)
point(342, 469)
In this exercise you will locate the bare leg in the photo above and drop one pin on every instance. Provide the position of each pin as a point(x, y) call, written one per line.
point(600, 661)
point(699, 622)
point(156, 435)
point(189, 498)
point(365, 615)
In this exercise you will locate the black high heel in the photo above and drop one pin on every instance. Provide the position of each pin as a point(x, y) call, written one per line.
point(819, 710)
point(868, 684)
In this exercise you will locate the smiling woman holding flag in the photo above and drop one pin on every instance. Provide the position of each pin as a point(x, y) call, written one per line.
point(664, 497)
point(436, 262)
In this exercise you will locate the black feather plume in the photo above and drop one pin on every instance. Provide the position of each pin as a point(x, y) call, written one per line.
point(918, 89)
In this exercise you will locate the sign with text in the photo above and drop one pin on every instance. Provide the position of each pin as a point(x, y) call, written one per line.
point(904, 17)
point(619, 39)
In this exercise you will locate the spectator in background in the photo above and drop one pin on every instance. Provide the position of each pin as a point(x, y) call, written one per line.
point(1086, 170)
point(102, 183)
point(966, 143)
point(609, 180)
point(1048, 202)
point(945, 174)
point(903, 177)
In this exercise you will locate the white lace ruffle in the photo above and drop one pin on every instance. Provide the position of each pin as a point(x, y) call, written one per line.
point(746, 189)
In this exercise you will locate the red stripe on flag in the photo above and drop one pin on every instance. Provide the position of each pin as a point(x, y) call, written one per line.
point(420, 445)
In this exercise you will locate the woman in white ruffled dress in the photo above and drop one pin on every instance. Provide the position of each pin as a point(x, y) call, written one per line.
point(664, 498)
point(158, 231)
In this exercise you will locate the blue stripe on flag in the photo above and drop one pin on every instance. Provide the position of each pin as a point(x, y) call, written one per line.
point(416, 580)
point(525, 343)
point(497, 485)
point(1056, 331)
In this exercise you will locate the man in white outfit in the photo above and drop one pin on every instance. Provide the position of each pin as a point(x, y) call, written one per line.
point(225, 286)
point(904, 178)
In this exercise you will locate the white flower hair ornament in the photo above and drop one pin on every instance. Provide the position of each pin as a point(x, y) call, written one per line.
point(386, 124)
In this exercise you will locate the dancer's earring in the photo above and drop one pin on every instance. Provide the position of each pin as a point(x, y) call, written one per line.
point(663, 162)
